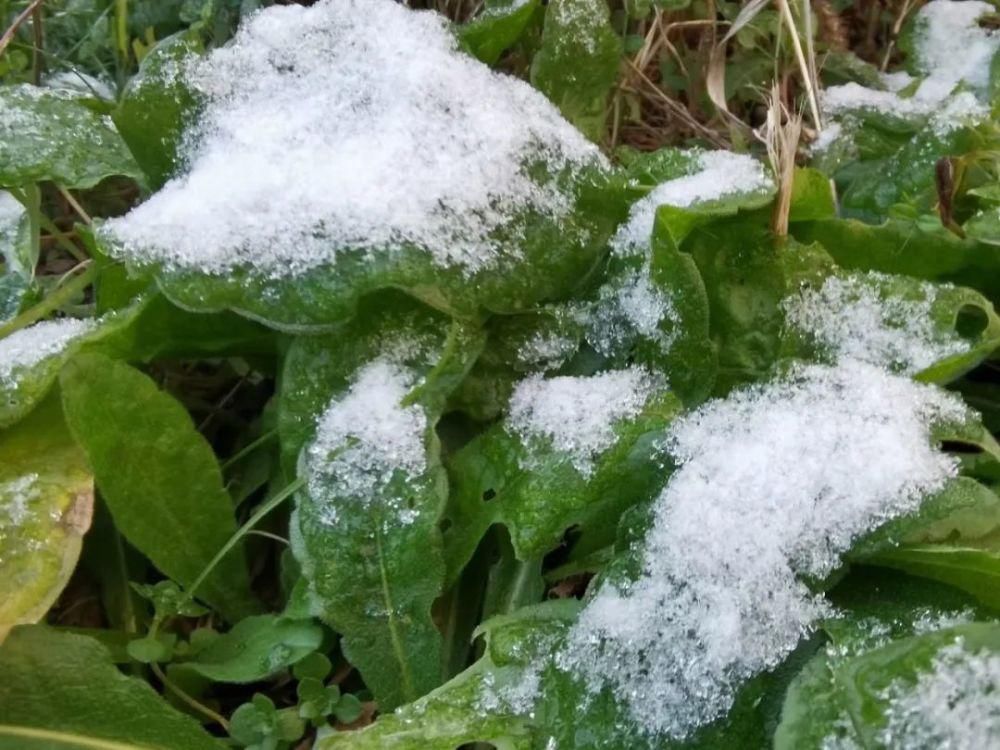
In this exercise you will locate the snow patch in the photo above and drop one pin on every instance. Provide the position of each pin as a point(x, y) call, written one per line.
point(774, 482)
point(577, 416)
point(353, 124)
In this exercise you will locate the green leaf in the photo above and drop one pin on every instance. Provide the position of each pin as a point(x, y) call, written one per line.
point(843, 696)
point(984, 226)
point(156, 105)
point(907, 248)
point(50, 135)
point(256, 648)
point(537, 492)
point(747, 274)
point(577, 64)
point(374, 573)
point(46, 502)
point(157, 475)
point(497, 27)
point(62, 690)
point(474, 706)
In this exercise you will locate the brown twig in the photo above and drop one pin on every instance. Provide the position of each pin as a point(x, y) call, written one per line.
point(23, 16)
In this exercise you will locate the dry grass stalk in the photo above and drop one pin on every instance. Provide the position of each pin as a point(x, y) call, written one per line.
point(780, 134)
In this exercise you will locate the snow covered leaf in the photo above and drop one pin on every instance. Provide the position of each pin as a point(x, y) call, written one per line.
point(17, 254)
point(492, 701)
point(896, 322)
point(577, 64)
point(572, 451)
point(653, 308)
point(30, 360)
point(497, 27)
point(936, 689)
point(62, 690)
point(393, 173)
point(772, 486)
point(46, 500)
point(52, 135)
point(158, 476)
point(362, 403)
point(156, 105)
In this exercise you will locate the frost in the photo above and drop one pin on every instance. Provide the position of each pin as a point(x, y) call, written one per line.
point(577, 416)
point(546, 350)
point(632, 309)
point(353, 124)
point(853, 317)
point(953, 706)
point(773, 482)
point(364, 440)
point(30, 346)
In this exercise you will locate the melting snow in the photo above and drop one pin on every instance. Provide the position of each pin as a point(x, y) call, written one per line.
point(352, 123)
point(761, 496)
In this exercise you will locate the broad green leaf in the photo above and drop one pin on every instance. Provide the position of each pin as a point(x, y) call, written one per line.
point(984, 226)
point(497, 27)
point(46, 502)
point(50, 135)
point(489, 702)
point(256, 648)
point(537, 493)
point(156, 105)
point(747, 274)
point(17, 253)
point(368, 539)
point(158, 476)
point(59, 690)
point(908, 248)
point(577, 64)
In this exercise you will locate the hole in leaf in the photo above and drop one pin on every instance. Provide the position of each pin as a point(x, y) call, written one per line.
point(957, 446)
point(489, 495)
point(971, 321)
point(446, 523)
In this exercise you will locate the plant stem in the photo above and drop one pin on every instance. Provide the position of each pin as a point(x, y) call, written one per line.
point(262, 511)
point(51, 303)
point(187, 699)
point(786, 12)
point(249, 448)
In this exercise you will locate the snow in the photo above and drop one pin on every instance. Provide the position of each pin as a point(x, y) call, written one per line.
point(365, 439)
point(716, 175)
point(858, 316)
point(952, 706)
point(353, 124)
point(951, 49)
point(32, 345)
point(774, 482)
point(577, 416)
point(632, 309)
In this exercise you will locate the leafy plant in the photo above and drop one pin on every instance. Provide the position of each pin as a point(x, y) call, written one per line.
point(512, 373)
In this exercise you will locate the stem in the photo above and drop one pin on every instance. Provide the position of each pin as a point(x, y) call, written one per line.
point(75, 205)
point(33, 202)
point(36, 28)
point(187, 699)
point(786, 12)
point(23, 16)
point(250, 448)
point(51, 303)
point(262, 511)
point(49, 226)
